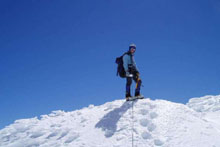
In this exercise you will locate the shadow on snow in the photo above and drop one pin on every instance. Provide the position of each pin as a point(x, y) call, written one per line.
point(109, 122)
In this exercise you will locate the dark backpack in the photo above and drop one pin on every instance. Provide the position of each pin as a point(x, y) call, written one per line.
point(120, 68)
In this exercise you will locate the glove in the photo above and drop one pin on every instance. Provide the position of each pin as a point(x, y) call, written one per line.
point(129, 75)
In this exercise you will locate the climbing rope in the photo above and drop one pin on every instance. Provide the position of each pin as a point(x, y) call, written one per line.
point(132, 117)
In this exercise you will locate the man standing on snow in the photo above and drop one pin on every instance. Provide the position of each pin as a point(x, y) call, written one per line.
point(131, 71)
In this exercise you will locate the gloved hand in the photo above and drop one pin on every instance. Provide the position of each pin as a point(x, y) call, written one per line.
point(129, 75)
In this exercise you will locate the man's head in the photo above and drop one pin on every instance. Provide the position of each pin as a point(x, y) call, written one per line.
point(132, 48)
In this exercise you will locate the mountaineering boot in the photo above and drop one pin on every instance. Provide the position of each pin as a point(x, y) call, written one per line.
point(137, 94)
point(127, 96)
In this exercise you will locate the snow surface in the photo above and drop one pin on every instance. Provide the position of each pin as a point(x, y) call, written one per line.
point(142, 123)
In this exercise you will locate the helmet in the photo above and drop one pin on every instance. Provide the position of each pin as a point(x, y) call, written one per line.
point(132, 45)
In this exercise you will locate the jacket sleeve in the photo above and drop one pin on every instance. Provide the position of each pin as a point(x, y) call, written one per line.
point(125, 62)
point(134, 64)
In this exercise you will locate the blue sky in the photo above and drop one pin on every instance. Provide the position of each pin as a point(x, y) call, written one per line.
point(60, 55)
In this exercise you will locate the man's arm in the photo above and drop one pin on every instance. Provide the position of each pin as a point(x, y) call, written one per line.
point(125, 63)
point(134, 64)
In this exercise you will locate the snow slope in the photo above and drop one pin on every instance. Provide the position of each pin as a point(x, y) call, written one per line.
point(143, 123)
point(209, 106)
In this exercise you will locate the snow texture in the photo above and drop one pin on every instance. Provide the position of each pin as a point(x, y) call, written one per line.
point(143, 123)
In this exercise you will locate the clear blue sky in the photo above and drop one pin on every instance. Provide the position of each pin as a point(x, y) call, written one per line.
point(60, 55)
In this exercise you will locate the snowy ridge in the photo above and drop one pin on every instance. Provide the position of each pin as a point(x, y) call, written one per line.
point(209, 106)
point(120, 124)
point(205, 104)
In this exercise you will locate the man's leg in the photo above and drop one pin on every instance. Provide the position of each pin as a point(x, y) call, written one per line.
point(128, 87)
point(138, 84)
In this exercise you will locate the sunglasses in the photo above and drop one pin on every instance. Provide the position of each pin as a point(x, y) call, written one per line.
point(133, 49)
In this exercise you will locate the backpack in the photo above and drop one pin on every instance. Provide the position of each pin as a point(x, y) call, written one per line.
point(120, 68)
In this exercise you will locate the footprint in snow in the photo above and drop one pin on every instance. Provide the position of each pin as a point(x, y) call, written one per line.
point(144, 122)
point(146, 135)
point(151, 127)
point(144, 111)
point(158, 142)
point(153, 115)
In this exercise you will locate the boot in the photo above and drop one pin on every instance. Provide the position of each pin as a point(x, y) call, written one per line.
point(127, 96)
point(137, 93)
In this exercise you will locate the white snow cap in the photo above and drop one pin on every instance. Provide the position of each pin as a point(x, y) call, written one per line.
point(143, 123)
